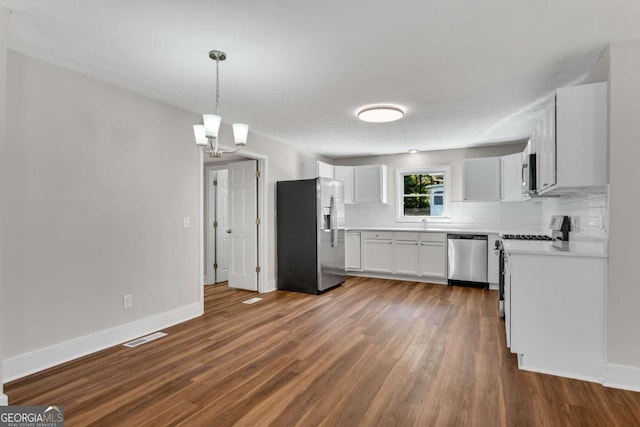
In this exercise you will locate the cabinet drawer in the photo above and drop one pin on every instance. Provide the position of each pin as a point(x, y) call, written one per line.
point(377, 235)
point(406, 236)
point(433, 237)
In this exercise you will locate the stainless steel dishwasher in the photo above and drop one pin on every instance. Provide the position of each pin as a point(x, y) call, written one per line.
point(467, 259)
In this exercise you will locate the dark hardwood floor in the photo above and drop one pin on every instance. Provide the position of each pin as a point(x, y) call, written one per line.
point(369, 353)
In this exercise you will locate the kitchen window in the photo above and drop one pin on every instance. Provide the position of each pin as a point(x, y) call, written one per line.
point(423, 194)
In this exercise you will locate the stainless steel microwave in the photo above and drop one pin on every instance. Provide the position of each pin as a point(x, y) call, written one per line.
point(528, 171)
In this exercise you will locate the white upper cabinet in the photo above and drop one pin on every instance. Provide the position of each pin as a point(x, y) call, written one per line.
point(481, 179)
point(572, 148)
point(345, 174)
point(511, 178)
point(370, 184)
point(325, 170)
point(544, 143)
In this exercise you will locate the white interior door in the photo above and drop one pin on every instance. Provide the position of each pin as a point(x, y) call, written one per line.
point(242, 228)
point(222, 215)
point(209, 271)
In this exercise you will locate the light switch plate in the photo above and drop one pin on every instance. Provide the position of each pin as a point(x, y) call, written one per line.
point(127, 302)
point(187, 222)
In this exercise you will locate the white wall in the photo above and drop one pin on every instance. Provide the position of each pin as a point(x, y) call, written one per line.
point(99, 180)
point(4, 31)
point(624, 204)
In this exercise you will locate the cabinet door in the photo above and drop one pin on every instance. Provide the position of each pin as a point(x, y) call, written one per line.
point(511, 177)
point(353, 254)
point(406, 257)
point(378, 255)
point(325, 170)
point(493, 261)
point(433, 259)
point(507, 300)
point(370, 183)
point(481, 179)
point(546, 148)
point(345, 174)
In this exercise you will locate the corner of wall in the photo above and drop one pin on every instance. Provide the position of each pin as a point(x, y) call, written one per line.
point(601, 69)
point(622, 377)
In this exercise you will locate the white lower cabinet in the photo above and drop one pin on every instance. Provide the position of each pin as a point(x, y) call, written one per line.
point(353, 253)
point(555, 308)
point(403, 253)
point(507, 300)
point(493, 261)
point(406, 257)
point(433, 259)
point(377, 252)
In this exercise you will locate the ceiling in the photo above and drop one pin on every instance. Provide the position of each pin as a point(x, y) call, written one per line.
point(467, 73)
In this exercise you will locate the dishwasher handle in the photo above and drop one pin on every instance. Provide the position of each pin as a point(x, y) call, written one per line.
point(467, 236)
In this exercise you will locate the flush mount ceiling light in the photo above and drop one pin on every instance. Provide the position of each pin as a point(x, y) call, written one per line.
point(413, 151)
point(380, 114)
point(207, 134)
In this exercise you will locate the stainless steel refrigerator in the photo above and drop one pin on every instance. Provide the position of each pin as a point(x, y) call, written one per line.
point(310, 234)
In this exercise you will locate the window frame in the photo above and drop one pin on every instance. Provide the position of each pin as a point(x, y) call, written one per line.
point(401, 172)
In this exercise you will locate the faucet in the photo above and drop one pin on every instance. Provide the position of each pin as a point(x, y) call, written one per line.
point(424, 223)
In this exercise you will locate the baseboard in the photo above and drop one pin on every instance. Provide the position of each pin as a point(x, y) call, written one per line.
point(271, 286)
point(397, 277)
point(38, 360)
point(591, 379)
point(621, 376)
point(4, 400)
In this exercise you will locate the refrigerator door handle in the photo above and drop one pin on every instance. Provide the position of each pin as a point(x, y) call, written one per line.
point(333, 223)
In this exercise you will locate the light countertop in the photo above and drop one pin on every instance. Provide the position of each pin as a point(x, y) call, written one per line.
point(456, 229)
point(593, 249)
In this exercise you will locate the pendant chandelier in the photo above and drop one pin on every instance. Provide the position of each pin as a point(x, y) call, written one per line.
point(207, 133)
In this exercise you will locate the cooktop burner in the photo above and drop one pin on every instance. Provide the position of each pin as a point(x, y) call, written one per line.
point(525, 237)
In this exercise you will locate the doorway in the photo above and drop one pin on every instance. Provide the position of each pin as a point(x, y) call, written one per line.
point(216, 259)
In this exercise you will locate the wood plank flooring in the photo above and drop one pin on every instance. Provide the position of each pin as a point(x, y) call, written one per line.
point(369, 353)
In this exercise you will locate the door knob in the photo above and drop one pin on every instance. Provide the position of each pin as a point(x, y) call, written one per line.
point(228, 231)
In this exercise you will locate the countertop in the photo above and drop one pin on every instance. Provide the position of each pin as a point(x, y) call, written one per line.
point(465, 230)
point(593, 249)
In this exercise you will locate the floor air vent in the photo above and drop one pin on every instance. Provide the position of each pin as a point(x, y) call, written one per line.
point(144, 340)
point(252, 300)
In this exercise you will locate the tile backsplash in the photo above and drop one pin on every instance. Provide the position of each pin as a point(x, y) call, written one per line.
point(588, 212)
point(525, 216)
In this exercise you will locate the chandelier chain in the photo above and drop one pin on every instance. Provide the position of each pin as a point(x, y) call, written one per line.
point(217, 86)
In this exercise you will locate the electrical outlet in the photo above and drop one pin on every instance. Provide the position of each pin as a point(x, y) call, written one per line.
point(187, 222)
point(127, 302)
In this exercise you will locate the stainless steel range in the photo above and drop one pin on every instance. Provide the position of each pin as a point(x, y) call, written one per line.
point(499, 248)
point(525, 237)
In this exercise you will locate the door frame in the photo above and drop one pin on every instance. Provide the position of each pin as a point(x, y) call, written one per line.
point(263, 214)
